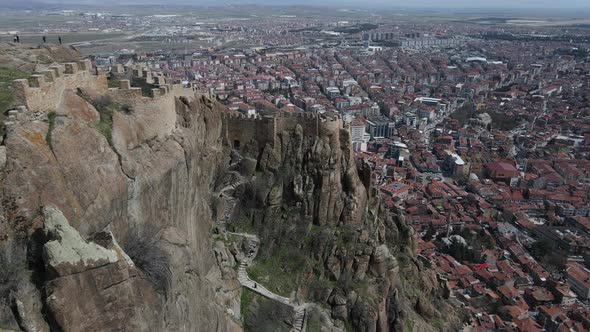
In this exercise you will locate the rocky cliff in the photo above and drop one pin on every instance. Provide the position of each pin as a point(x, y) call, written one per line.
point(116, 209)
point(326, 238)
point(137, 167)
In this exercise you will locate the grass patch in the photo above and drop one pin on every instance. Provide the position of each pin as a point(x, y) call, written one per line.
point(313, 232)
point(415, 292)
point(245, 300)
point(348, 326)
point(409, 325)
point(281, 272)
point(7, 75)
point(105, 107)
point(105, 125)
point(241, 224)
point(113, 83)
point(314, 322)
point(438, 324)
point(227, 239)
point(362, 289)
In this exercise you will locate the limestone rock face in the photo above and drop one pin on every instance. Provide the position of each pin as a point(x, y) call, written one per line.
point(89, 173)
point(28, 309)
point(116, 296)
point(322, 174)
point(152, 174)
point(269, 316)
point(66, 252)
point(310, 181)
point(382, 260)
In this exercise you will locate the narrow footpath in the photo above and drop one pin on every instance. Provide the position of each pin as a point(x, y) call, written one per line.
point(299, 311)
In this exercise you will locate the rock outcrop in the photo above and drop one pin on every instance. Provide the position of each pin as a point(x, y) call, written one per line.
point(139, 168)
point(308, 200)
point(115, 197)
point(117, 297)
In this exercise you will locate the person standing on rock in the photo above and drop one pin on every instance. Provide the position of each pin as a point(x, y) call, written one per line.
point(44, 39)
point(59, 39)
point(14, 39)
point(18, 39)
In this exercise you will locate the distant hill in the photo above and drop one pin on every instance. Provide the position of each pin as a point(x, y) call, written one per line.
point(457, 4)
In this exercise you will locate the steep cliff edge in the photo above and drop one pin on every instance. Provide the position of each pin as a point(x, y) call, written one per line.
point(141, 168)
point(325, 237)
point(116, 206)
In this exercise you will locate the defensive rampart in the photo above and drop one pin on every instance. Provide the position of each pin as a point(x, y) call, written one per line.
point(42, 92)
point(240, 129)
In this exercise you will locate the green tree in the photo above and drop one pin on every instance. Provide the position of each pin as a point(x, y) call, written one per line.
point(542, 248)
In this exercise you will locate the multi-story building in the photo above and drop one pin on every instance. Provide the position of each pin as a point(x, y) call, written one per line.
point(380, 126)
point(501, 171)
point(579, 278)
point(358, 134)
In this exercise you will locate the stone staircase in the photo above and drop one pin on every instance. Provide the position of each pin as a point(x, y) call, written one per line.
point(299, 319)
point(299, 311)
point(228, 208)
point(230, 201)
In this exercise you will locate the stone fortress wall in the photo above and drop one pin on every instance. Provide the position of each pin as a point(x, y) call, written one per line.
point(42, 93)
point(237, 128)
point(240, 129)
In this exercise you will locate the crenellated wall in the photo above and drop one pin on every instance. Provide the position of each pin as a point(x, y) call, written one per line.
point(156, 110)
point(43, 92)
point(127, 89)
point(240, 129)
point(153, 115)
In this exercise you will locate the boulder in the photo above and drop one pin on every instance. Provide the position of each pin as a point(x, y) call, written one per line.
point(67, 252)
point(116, 295)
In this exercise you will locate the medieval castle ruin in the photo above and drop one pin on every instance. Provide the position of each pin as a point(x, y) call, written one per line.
point(154, 97)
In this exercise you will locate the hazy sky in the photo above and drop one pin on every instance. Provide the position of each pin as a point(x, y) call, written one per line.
point(467, 3)
point(532, 4)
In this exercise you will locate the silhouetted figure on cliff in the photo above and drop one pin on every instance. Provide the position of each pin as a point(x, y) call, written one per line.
point(44, 39)
point(59, 39)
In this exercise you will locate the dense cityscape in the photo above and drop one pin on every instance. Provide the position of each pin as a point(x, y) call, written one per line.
point(478, 129)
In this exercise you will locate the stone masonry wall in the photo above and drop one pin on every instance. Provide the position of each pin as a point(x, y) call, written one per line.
point(241, 129)
point(42, 92)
